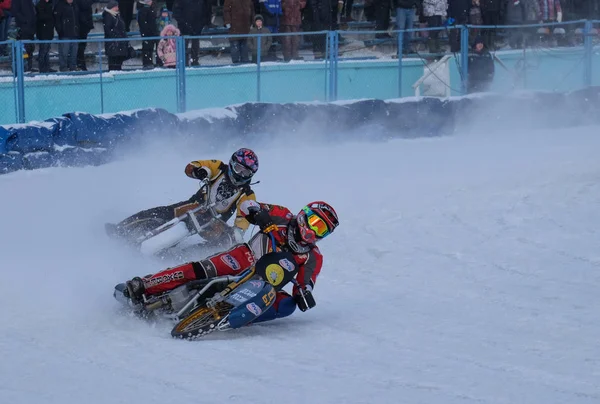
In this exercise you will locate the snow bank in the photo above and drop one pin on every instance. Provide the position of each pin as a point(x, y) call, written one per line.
point(78, 139)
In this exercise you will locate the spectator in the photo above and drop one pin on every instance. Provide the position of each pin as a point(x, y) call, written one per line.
point(271, 11)
point(475, 18)
point(321, 15)
point(291, 21)
point(66, 21)
point(238, 16)
point(5, 17)
point(515, 15)
point(44, 32)
point(406, 12)
point(346, 11)
point(114, 28)
point(265, 41)
point(192, 16)
point(434, 11)
point(382, 18)
point(148, 28)
point(581, 9)
point(491, 14)
point(86, 24)
point(551, 11)
point(459, 11)
point(24, 13)
point(481, 68)
point(167, 47)
point(126, 12)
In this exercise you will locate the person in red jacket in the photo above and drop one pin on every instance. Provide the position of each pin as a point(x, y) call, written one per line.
point(297, 234)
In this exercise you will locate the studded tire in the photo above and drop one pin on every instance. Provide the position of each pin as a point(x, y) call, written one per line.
point(200, 322)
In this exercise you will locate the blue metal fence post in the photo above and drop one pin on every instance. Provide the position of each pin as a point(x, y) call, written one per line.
point(101, 79)
point(258, 46)
point(400, 47)
point(327, 67)
point(330, 57)
point(589, 50)
point(180, 74)
point(18, 54)
point(464, 56)
point(14, 69)
point(336, 53)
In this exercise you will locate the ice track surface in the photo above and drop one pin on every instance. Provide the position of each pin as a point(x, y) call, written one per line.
point(466, 270)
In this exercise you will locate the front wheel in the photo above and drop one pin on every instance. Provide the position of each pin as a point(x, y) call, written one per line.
point(201, 321)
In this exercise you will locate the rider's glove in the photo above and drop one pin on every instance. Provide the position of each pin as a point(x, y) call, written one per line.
point(264, 221)
point(305, 299)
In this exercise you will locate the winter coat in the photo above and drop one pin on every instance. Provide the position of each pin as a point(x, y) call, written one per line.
point(532, 11)
point(292, 12)
point(240, 14)
point(265, 41)
point(515, 12)
point(146, 19)
point(192, 15)
point(24, 13)
point(581, 9)
point(86, 20)
point(549, 9)
point(475, 17)
point(488, 6)
point(408, 4)
point(66, 20)
point(321, 11)
point(271, 11)
point(481, 70)
point(459, 10)
point(5, 5)
point(167, 47)
point(45, 20)
point(435, 8)
point(114, 27)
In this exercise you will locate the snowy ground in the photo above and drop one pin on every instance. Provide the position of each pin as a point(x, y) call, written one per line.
point(465, 269)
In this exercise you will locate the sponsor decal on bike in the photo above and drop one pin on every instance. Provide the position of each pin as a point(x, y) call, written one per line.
point(238, 297)
point(164, 279)
point(256, 284)
point(269, 297)
point(231, 262)
point(249, 257)
point(254, 309)
point(287, 265)
point(247, 293)
point(274, 274)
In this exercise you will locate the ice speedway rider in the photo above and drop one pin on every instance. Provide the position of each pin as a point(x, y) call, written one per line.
point(229, 187)
point(296, 234)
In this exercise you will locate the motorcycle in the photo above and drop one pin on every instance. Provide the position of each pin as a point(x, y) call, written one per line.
point(165, 238)
point(201, 307)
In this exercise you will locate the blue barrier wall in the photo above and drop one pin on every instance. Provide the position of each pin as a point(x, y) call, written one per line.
point(562, 70)
point(78, 139)
point(363, 68)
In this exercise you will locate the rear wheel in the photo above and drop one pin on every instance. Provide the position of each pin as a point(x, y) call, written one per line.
point(201, 321)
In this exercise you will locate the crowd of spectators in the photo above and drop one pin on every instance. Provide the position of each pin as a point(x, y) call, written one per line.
point(73, 19)
point(446, 13)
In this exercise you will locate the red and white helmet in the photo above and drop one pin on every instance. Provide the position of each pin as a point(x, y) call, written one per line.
point(316, 221)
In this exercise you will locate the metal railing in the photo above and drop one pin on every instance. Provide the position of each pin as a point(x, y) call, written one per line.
point(334, 71)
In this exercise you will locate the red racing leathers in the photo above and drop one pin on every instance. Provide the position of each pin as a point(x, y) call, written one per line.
point(243, 256)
